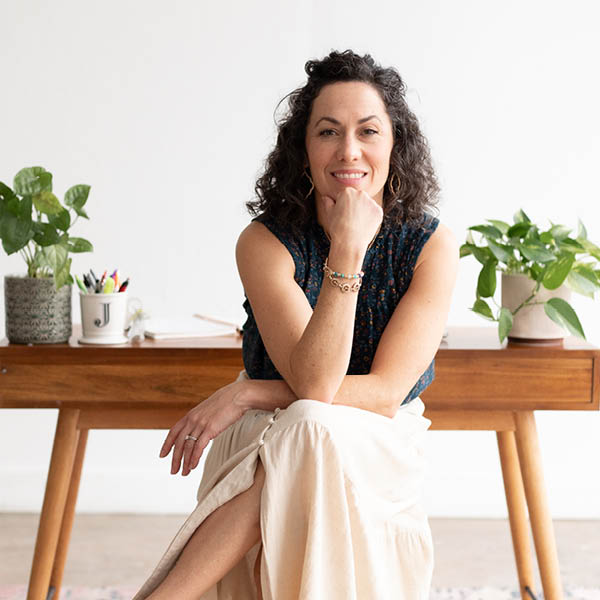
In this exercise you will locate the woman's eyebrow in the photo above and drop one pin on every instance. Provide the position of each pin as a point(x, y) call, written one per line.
point(336, 122)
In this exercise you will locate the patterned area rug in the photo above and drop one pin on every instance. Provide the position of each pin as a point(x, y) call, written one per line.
point(19, 592)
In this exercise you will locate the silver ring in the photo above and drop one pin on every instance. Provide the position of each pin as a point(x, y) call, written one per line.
point(191, 437)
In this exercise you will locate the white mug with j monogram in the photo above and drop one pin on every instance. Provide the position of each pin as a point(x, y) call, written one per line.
point(103, 318)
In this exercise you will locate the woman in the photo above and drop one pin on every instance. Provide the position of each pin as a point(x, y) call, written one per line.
point(311, 487)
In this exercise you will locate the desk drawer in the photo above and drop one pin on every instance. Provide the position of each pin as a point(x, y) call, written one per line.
point(528, 383)
point(176, 385)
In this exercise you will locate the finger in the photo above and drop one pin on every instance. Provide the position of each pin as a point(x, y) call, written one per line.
point(188, 450)
point(198, 450)
point(328, 202)
point(178, 450)
point(171, 437)
point(192, 450)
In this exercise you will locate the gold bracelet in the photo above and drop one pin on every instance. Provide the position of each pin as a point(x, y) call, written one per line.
point(344, 287)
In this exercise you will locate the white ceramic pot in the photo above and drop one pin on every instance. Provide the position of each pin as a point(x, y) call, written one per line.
point(531, 322)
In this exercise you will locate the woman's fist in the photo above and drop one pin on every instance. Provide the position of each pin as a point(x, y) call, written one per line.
point(352, 218)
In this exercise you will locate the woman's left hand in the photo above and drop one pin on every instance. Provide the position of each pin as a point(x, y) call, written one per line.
point(204, 422)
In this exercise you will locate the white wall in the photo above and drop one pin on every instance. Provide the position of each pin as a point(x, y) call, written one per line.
point(166, 109)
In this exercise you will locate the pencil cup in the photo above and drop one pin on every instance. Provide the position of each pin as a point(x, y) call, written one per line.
point(103, 318)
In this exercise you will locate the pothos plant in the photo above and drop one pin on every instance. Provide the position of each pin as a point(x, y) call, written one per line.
point(549, 258)
point(34, 223)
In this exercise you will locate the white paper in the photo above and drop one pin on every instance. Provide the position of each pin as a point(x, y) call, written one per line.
point(184, 327)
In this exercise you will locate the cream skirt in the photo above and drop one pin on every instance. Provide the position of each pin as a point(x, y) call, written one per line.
point(340, 514)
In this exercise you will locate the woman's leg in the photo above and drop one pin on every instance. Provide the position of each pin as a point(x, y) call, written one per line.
point(257, 575)
point(218, 544)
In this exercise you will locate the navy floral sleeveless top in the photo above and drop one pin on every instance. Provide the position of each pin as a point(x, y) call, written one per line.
point(388, 265)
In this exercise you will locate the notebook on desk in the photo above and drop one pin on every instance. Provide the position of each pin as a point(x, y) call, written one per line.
point(164, 328)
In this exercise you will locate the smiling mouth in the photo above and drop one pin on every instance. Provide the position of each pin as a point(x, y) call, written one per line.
point(349, 176)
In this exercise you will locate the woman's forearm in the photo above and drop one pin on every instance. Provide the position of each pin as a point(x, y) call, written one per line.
point(367, 392)
point(320, 359)
point(265, 394)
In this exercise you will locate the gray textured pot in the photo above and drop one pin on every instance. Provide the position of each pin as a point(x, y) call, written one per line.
point(531, 322)
point(36, 313)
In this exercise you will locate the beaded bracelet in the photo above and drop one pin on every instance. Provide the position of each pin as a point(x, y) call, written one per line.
point(344, 287)
point(329, 271)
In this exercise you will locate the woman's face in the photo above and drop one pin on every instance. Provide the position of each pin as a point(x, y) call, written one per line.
point(349, 140)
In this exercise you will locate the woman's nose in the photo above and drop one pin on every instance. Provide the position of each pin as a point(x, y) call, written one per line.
point(349, 149)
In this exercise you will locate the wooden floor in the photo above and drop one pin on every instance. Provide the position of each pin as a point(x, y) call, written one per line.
point(123, 549)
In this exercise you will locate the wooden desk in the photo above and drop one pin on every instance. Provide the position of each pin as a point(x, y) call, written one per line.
point(479, 385)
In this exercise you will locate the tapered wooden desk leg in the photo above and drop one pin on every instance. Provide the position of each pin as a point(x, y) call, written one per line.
point(57, 486)
point(60, 558)
point(517, 509)
point(539, 514)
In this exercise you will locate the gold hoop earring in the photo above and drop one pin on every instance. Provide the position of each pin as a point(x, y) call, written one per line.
point(312, 185)
point(393, 191)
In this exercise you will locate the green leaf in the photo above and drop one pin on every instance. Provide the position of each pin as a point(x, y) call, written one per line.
point(80, 245)
point(482, 308)
point(16, 228)
point(501, 225)
point(76, 197)
point(536, 272)
point(15, 234)
point(6, 195)
point(581, 230)
point(546, 237)
point(46, 202)
point(570, 245)
point(521, 217)
point(519, 230)
point(561, 312)
point(559, 232)
point(61, 220)
point(584, 281)
point(591, 248)
point(32, 180)
point(63, 276)
point(505, 323)
point(486, 283)
point(465, 250)
point(533, 234)
point(55, 256)
point(482, 254)
point(502, 252)
point(535, 251)
point(489, 231)
point(45, 234)
point(556, 272)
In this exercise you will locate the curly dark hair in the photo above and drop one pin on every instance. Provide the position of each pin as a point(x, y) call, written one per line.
point(282, 189)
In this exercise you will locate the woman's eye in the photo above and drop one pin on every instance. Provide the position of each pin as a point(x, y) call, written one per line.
point(326, 132)
point(370, 131)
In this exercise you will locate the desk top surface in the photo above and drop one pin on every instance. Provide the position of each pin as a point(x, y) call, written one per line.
point(473, 371)
point(458, 338)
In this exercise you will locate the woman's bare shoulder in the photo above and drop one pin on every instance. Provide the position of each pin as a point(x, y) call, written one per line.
point(257, 246)
point(441, 245)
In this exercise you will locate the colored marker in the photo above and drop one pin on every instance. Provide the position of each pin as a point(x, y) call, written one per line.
point(80, 284)
point(109, 286)
point(124, 285)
